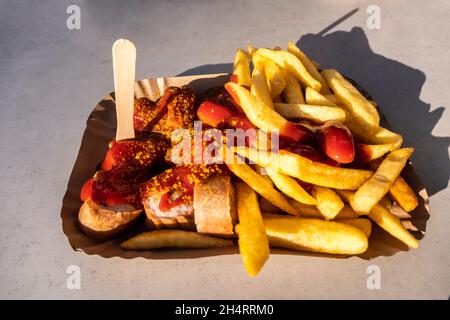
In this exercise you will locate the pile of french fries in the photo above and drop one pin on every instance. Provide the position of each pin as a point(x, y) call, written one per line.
point(285, 85)
point(274, 210)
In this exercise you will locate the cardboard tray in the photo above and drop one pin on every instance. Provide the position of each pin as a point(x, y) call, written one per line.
point(100, 129)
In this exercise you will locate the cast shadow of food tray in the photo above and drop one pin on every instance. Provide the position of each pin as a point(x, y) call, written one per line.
point(100, 129)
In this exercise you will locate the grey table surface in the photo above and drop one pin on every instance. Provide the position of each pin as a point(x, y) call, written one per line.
point(51, 77)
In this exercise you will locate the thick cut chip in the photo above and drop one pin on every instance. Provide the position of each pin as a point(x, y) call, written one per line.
point(314, 235)
point(404, 195)
point(261, 186)
point(382, 136)
point(306, 170)
point(369, 152)
point(328, 202)
point(359, 107)
point(275, 79)
point(293, 92)
point(392, 224)
point(241, 68)
point(310, 67)
point(290, 187)
point(292, 64)
point(173, 239)
point(252, 239)
point(314, 113)
point(386, 220)
point(309, 211)
point(371, 192)
point(315, 98)
point(260, 114)
point(259, 87)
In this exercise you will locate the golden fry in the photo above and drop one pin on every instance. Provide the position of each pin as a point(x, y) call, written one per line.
point(275, 79)
point(291, 63)
point(290, 187)
point(317, 114)
point(260, 114)
point(306, 170)
point(259, 87)
point(374, 151)
point(261, 186)
point(252, 239)
point(386, 220)
point(392, 224)
point(241, 68)
point(173, 239)
point(309, 65)
point(361, 110)
point(293, 92)
point(328, 202)
point(402, 193)
point(315, 98)
point(382, 136)
point(371, 192)
point(314, 235)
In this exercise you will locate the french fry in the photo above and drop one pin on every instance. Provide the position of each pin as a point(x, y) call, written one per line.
point(314, 235)
point(261, 186)
point(369, 152)
point(263, 173)
point(382, 136)
point(291, 63)
point(392, 224)
point(173, 239)
point(258, 61)
point(362, 224)
point(252, 239)
point(290, 187)
point(241, 68)
point(315, 98)
point(318, 114)
point(328, 202)
point(275, 79)
point(309, 65)
point(402, 193)
point(251, 50)
point(309, 211)
point(306, 170)
point(261, 115)
point(386, 220)
point(293, 92)
point(315, 63)
point(371, 192)
point(362, 110)
point(259, 87)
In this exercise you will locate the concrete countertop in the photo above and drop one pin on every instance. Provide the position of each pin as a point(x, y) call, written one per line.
point(51, 77)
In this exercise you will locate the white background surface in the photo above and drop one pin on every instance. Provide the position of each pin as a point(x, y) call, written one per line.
point(50, 79)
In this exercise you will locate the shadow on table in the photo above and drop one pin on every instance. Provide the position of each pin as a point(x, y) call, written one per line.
point(396, 87)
